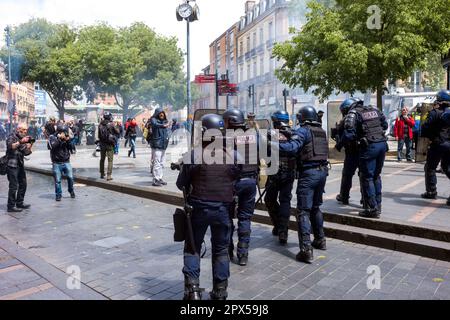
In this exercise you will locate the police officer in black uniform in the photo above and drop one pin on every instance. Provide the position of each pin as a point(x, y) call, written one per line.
point(244, 142)
point(437, 129)
point(351, 161)
point(310, 143)
point(211, 189)
point(279, 186)
point(366, 125)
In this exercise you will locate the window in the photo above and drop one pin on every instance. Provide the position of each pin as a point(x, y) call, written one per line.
point(261, 36)
point(241, 48)
point(248, 43)
point(231, 39)
point(261, 65)
point(254, 40)
point(241, 74)
point(271, 33)
point(248, 71)
point(255, 68)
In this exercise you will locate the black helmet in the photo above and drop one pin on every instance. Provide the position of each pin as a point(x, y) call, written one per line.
point(234, 118)
point(60, 128)
point(212, 121)
point(443, 96)
point(108, 116)
point(307, 113)
point(280, 119)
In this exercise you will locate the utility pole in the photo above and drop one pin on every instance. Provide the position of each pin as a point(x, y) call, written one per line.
point(10, 102)
point(285, 95)
point(189, 96)
point(186, 11)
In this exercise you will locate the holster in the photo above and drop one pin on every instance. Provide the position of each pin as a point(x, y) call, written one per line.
point(179, 223)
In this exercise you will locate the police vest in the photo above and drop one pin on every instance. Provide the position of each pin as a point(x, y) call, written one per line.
point(213, 182)
point(372, 129)
point(444, 132)
point(247, 147)
point(317, 149)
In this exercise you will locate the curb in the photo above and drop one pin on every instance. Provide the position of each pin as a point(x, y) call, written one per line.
point(53, 275)
point(387, 234)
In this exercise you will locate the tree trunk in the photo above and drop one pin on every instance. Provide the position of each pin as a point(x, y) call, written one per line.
point(61, 110)
point(125, 109)
point(380, 98)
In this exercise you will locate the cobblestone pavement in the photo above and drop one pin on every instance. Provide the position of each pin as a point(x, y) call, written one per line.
point(125, 250)
point(402, 183)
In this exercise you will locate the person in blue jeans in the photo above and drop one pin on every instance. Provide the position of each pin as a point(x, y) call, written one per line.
point(59, 145)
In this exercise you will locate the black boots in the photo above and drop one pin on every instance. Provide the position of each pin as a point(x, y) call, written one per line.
point(320, 244)
point(429, 195)
point(370, 213)
point(192, 289)
point(339, 198)
point(305, 255)
point(219, 291)
point(242, 258)
point(283, 237)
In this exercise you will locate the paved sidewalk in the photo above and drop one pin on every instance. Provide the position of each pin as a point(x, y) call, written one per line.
point(402, 184)
point(125, 250)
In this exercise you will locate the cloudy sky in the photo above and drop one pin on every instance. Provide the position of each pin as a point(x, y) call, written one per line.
point(216, 16)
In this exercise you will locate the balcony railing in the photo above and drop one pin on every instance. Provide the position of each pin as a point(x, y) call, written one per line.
point(247, 56)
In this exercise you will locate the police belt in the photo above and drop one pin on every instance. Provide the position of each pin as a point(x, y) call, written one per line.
point(288, 163)
point(305, 166)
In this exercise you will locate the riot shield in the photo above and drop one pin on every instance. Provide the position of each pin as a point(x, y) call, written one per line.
point(334, 117)
point(422, 142)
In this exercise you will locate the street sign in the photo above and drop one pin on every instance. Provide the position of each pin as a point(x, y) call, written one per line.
point(205, 78)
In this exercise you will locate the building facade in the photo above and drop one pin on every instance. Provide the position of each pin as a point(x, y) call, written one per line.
point(4, 115)
point(244, 54)
point(223, 55)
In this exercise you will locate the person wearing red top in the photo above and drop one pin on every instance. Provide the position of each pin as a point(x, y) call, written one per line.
point(404, 134)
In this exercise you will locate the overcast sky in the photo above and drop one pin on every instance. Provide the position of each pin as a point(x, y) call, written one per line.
point(216, 16)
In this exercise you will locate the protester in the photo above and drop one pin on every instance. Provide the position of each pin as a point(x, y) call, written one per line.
point(132, 134)
point(159, 143)
point(403, 132)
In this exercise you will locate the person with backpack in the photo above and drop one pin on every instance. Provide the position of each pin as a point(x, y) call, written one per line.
point(107, 133)
point(159, 142)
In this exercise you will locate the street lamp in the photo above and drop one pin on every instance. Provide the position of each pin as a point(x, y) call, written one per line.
point(186, 11)
point(10, 103)
point(285, 95)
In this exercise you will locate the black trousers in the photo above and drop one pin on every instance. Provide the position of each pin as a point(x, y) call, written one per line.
point(17, 186)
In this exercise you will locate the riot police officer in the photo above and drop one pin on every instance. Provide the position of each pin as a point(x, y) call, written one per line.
point(437, 129)
point(279, 186)
point(366, 125)
point(351, 161)
point(211, 196)
point(245, 187)
point(310, 143)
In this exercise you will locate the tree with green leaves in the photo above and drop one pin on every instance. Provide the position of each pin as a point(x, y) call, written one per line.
point(48, 54)
point(356, 46)
point(134, 64)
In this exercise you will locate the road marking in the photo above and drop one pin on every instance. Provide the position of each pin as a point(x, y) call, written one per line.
point(13, 268)
point(423, 213)
point(27, 292)
point(409, 186)
point(399, 171)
